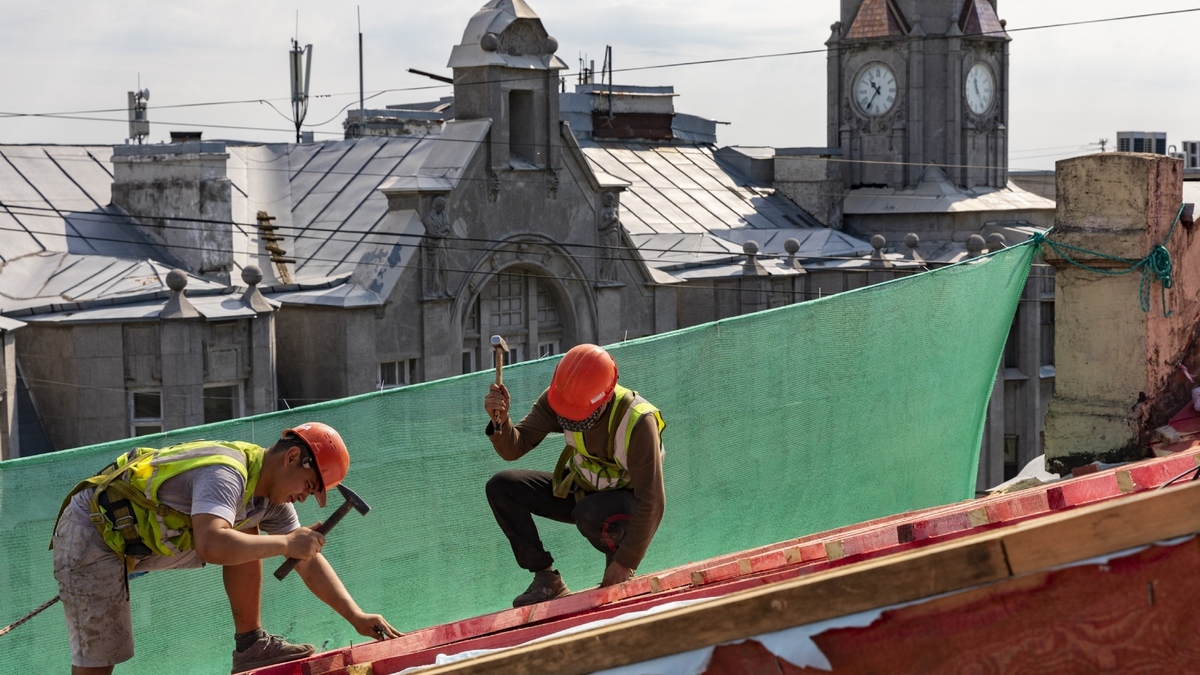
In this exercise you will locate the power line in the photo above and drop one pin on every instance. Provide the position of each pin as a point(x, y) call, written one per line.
point(601, 144)
point(823, 50)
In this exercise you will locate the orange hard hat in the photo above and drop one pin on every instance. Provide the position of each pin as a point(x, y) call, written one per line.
point(582, 382)
point(329, 452)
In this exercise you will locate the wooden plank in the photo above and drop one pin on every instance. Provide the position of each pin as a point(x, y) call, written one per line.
point(1099, 529)
point(834, 593)
point(1054, 540)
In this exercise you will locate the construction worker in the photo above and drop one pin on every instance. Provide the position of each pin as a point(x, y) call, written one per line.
point(608, 480)
point(191, 504)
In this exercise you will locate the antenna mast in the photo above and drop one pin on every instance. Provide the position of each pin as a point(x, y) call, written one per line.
point(301, 66)
point(362, 112)
point(139, 124)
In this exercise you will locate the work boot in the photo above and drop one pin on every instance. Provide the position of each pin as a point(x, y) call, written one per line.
point(547, 585)
point(269, 650)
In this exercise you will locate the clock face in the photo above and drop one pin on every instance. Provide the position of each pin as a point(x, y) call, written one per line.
point(875, 89)
point(980, 89)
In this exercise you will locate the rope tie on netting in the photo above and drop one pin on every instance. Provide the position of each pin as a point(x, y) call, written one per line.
point(1156, 267)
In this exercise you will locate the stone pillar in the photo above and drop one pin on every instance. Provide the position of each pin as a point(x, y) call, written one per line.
point(608, 310)
point(441, 354)
point(10, 446)
point(182, 350)
point(1117, 367)
point(260, 389)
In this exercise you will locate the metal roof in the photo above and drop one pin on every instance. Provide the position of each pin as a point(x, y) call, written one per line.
point(684, 209)
point(937, 194)
point(52, 282)
point(58, 198)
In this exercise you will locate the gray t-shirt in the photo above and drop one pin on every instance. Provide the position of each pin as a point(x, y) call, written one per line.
point(215, 490)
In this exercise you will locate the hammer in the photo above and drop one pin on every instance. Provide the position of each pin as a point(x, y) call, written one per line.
point(501, 348)
point(352, 502)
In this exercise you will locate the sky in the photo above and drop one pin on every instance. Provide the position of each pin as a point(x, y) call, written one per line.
point(1070, 86)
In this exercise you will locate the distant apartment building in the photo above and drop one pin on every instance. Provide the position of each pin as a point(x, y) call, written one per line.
point(1142, 141)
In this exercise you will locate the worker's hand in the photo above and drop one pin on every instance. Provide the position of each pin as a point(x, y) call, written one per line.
point(304, 543)
point(615, 573)
point(496, 403)
point(374, 626)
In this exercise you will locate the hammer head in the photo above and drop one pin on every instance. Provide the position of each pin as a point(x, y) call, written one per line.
point(499, 344)
point(353, 499)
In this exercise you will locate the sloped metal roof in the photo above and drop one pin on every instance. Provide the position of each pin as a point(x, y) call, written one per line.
point(333, 219)
point(685, 209)
point(937, 194)
point(55, 281)
point(58, 198)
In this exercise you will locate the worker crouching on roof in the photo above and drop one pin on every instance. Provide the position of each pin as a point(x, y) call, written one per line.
point(191, 504)
point(608, 480)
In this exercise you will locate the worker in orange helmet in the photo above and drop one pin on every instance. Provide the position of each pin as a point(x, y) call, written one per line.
point(608, 480)
point(191, 504)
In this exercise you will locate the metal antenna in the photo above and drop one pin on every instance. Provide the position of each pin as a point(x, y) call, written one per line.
point(300, 62)
point(362, 112)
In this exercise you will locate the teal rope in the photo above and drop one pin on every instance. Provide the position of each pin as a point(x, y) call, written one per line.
point(1156, 267)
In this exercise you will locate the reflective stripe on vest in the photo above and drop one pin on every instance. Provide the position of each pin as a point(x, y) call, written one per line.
point(578, 467)
point(138, 475)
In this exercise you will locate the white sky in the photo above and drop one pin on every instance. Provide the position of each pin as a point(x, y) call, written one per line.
point(1070, 86)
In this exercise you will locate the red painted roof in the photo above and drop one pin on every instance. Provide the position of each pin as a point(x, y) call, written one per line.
point(979, 18)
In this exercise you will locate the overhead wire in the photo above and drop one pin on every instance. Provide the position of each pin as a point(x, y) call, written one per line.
point(678, 64)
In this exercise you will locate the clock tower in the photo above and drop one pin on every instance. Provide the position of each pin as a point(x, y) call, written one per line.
point(914, 83)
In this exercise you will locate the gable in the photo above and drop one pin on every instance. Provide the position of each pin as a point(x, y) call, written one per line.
point(876, 19)
point(979, 18)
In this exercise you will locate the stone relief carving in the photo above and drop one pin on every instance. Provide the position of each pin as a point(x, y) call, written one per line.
point(435, 246)
point(521, 38)
point(610, 237)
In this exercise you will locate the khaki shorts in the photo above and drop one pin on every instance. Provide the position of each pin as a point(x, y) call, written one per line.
point(91, 583)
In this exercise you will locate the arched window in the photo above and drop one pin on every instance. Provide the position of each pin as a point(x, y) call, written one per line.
point(518, 306)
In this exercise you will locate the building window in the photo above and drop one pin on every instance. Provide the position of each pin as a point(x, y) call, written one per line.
point(518, 306)
point(520, 127)
point(1011, 444)
point(397, 373)
point(222, 402)
point(145, 412)
point(1047, 328)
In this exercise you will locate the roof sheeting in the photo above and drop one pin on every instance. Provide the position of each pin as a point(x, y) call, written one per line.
point(58, 198)
point(55, 281)
point(683, 208)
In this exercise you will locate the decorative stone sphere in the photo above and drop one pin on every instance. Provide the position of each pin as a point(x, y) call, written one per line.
point(490, 42)
point(792, 246)
point(252, 275)
point(911, 240)
point(550, 45)
point(878, 241)
point(996, 241)
point(177, 279)
point(975, 243)
point(750, 247)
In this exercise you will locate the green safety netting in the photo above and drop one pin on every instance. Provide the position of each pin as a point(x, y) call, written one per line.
point(779, 424)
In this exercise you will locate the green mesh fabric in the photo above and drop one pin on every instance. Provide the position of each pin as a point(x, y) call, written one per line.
point(779, 424)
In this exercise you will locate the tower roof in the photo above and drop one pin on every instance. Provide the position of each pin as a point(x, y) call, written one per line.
point(979, 18)
point(506, 33)
point(878, 18)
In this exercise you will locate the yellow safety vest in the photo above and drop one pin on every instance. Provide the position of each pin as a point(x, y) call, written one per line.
point(578, 469)
point(134, 516)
